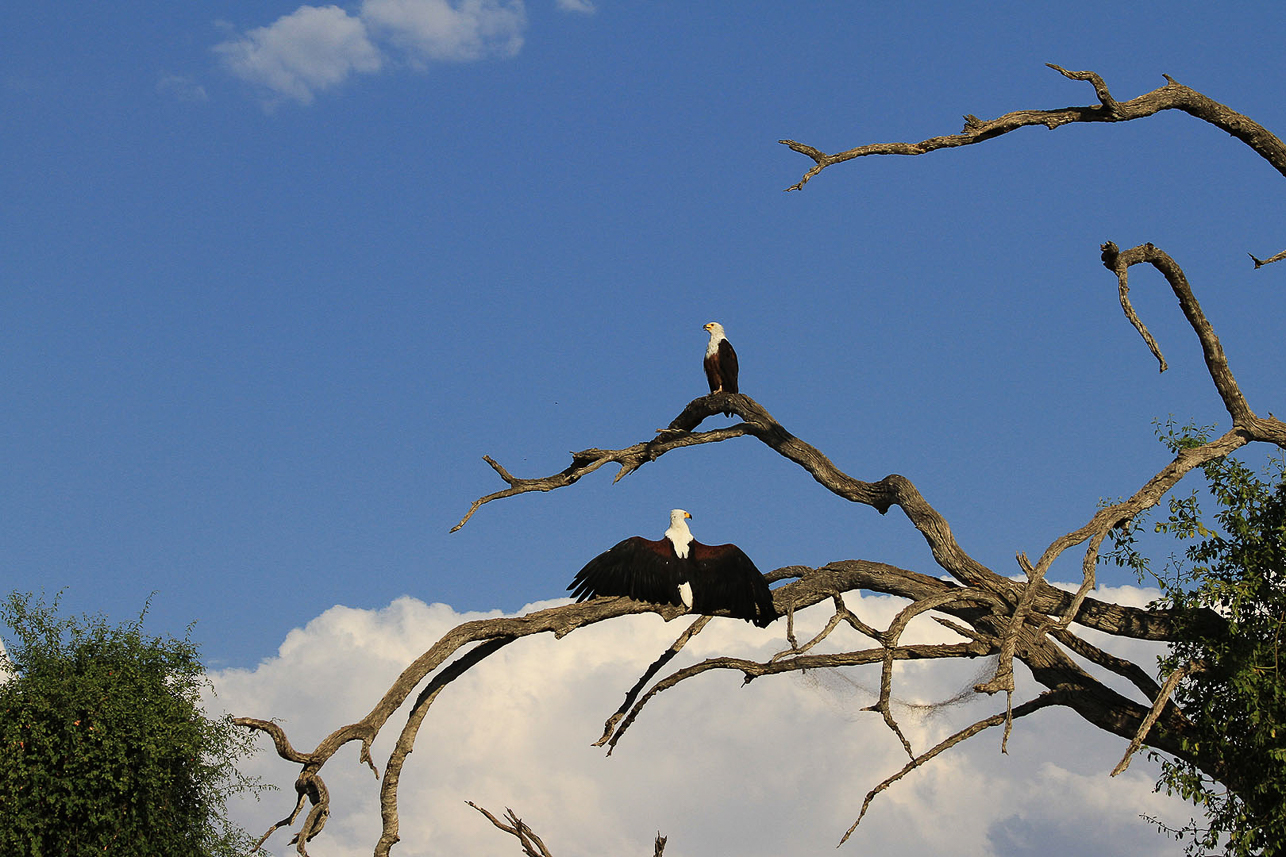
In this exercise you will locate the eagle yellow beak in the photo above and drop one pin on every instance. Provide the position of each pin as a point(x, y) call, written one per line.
point(687, 514)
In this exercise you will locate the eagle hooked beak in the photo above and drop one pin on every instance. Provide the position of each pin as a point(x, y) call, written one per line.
point(687, 514)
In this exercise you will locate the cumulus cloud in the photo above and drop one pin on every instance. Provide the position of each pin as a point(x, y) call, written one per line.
point(779, 766)
point(317, 47)
point(312, 48)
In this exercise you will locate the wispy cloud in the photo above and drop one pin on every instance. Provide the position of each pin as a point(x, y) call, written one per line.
point(181, 88)
point(775, 767)
point(317, 47)
point(436, 30)
point(583, 6)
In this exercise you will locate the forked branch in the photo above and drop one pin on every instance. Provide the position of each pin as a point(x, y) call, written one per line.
point(532, 845)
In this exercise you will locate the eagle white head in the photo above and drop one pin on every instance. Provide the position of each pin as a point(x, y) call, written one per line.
point(716, 336)
point(678, 533)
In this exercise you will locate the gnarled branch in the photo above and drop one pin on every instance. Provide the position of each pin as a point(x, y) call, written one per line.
point(1172, 96)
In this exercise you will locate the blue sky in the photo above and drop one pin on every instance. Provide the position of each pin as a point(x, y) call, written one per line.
point(275, 278)
point(257, 341)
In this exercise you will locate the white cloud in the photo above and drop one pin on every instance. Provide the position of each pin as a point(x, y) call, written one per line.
point(438, 30)
point(583, 6)
point(776, 767)
point(317, 47)
point(312, 48)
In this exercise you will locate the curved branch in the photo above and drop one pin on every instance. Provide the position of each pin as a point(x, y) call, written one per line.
point(1119, 262)
point(278, 735)
point(1172, 96)
point(1118, 513)
point(406, 741)
point(892, 490)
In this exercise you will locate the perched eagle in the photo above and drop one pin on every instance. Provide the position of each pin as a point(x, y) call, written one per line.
point(721, 361)
point(676, 570)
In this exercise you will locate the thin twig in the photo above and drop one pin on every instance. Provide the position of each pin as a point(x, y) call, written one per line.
point(1047, 698)
point(665, 657)
point(532, 845)
point(1159, 703)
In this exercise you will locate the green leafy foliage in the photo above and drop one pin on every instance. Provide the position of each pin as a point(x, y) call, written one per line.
point(103, 745)
point(1235, 695)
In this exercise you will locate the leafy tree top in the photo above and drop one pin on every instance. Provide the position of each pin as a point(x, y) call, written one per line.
point(106, 747)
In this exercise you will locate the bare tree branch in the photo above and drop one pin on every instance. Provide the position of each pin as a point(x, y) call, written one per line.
point(1276, 257)
point(892, 490)
point(532, 845)
point(984, 612)
point(1172, 96)
point(1126, 669)
point(754, 669)
point(665, 658)
point(1216, 361)
point(406, 740)
point(1161, 699)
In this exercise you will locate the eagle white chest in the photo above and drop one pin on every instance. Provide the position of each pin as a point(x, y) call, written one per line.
point(713, 347)
point(681, 537)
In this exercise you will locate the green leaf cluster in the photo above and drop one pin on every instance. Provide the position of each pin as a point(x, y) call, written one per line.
point(104, 748)
point(1235, 695)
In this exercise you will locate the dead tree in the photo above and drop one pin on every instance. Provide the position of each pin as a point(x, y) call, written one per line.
point(1026, 620)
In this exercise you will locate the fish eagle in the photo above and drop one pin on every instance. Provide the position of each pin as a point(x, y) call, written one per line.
point(676, 570)
point(721, 361)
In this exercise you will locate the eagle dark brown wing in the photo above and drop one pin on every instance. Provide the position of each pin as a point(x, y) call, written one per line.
point(638, 568)
point(724, 578)
point(728, 367)
point(722, 369)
